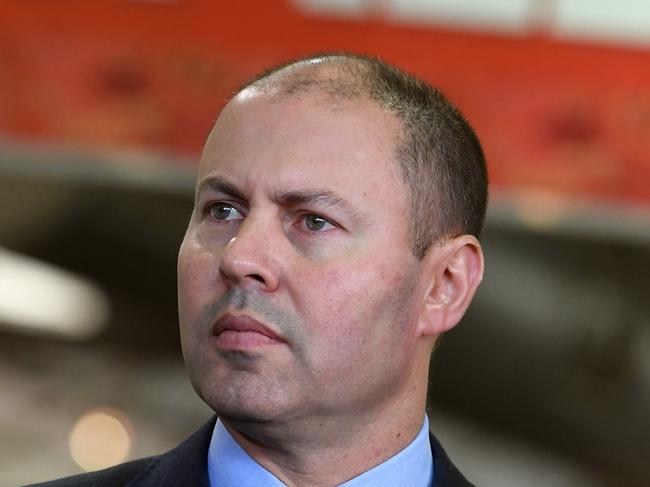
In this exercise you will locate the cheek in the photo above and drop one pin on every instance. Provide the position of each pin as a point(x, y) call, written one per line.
point(197, 273)
point(358, 311)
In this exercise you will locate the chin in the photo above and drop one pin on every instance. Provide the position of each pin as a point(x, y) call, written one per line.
point(240, 402)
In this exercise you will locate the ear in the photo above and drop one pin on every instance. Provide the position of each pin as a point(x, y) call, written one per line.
point(453, 271)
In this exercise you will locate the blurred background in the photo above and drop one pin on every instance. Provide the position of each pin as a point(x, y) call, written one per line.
point(104, 107)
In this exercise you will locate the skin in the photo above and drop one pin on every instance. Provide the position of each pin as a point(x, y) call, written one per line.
point(300, 223)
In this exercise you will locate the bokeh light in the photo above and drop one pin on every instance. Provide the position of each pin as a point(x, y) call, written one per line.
point(100, 438)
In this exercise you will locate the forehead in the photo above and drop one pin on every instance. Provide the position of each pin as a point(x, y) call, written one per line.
point(302, 139)
point(301, 134)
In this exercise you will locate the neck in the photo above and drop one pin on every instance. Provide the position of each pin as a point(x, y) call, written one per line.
point(309, 463)
point(301, 453)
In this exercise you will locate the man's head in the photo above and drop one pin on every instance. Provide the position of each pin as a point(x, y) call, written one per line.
point(310, 287)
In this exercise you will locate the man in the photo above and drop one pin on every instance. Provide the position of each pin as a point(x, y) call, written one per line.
point(333, 239)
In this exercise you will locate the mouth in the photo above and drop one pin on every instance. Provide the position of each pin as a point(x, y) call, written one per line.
point(243, 333)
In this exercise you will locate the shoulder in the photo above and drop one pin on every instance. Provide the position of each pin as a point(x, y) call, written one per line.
point(113, 476)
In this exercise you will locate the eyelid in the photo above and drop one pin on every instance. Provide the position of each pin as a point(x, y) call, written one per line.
point(206, 207)
point(302, 215)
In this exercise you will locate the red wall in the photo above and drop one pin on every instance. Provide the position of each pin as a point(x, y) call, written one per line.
point(566, 117)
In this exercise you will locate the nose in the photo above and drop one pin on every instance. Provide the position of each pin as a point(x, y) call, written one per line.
point(248, 260)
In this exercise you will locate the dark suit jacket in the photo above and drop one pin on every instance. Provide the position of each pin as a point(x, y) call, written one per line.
point(187, 466)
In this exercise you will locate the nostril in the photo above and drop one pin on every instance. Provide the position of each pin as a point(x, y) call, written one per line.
point(257, 277)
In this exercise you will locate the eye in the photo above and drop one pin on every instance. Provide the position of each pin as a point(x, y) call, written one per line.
point(316, 223)
point(224, 212)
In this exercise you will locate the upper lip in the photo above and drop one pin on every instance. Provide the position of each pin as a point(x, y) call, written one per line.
point(243, 323)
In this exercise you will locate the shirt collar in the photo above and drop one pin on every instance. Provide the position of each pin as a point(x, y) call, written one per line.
point(228, 464)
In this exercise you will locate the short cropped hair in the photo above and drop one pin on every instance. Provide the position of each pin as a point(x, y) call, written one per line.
point(439, 155)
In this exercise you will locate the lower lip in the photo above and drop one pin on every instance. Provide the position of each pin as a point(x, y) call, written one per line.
point(243, 340)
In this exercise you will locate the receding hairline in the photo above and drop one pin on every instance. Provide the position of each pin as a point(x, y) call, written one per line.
point(338, 77)
point(335, 81)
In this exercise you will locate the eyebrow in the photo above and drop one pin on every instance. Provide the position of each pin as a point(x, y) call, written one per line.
point(328, 199)
point(220, 185)
point(317, 197)
point(290, 198)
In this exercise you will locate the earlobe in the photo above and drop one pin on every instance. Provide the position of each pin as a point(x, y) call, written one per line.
point(455, 269)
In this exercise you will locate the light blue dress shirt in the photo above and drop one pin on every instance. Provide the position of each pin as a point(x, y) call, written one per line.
point(230, 466)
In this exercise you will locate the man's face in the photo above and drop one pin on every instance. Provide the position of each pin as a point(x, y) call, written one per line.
point(298, 292)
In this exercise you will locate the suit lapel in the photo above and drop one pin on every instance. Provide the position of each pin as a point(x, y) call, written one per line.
point(445, 473)
point(185, 465)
